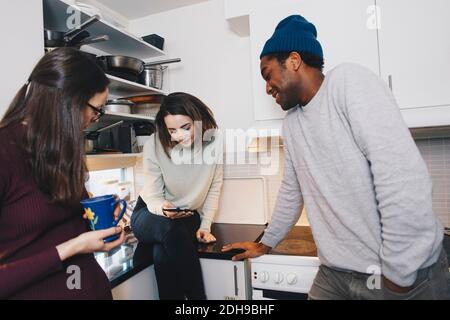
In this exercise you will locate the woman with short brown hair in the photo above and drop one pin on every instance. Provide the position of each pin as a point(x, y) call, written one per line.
point(183, 169)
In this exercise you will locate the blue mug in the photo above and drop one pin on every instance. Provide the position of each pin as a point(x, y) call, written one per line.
point(100, 213)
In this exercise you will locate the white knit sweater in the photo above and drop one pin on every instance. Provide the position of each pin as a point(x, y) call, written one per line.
point(193, 186)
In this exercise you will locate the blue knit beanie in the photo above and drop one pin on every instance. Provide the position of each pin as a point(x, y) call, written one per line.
point(293, 33)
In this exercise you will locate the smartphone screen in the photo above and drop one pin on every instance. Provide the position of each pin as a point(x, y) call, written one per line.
point(180, 212)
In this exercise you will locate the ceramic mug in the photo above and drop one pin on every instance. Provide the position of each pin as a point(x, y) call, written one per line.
point(100, 213)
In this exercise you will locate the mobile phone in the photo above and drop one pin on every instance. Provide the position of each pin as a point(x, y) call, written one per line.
point(180, 212)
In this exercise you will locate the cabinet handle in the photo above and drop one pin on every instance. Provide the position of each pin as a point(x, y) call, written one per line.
point(390, 81)
point(235, 282)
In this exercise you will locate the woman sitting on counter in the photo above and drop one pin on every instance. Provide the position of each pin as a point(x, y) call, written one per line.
point(45, 247)
point(183, 170)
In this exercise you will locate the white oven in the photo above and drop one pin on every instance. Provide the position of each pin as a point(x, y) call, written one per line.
point(289, 271)
point(283, 277)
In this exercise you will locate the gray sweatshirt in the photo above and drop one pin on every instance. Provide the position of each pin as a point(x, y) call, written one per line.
point(351, 161)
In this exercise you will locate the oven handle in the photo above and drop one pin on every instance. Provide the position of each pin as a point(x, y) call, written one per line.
point(280, 295)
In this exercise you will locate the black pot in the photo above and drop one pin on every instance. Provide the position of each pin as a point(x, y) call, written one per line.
point(122, 65)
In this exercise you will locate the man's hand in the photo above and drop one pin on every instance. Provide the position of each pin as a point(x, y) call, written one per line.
point(252, 249)
point(395, 288)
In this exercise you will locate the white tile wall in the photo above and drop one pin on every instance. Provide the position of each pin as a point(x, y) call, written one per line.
point(436, 153)
point(250, 170)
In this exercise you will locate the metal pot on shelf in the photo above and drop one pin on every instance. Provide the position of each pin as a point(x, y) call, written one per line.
point(119, 106)
point(149, 74)
point(123, 67)
point(153, 73)
point(146, 105)
point(152, 76)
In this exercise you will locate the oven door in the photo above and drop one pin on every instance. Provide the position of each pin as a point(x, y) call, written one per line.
point(264, 294)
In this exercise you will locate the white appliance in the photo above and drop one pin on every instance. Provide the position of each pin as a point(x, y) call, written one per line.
point(283, 277)
point(288, 271)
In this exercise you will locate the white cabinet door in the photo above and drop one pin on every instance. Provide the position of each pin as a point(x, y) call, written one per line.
point(414, 40)
point(141, 286)
point(225, 279)
point(346, 30)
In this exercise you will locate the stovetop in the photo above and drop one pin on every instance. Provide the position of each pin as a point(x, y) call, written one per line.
point(299, 242)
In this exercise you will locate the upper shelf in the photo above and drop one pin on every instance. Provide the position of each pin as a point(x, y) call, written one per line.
point(120, 41)
point(122, 88)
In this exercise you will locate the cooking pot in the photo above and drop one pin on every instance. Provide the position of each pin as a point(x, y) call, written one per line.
point(119, 105)
point(131, 68)
point(147, 105)
point(152, 76)
point(55, 38)
point(148, 98)
point(153, 73)
point(122, 66)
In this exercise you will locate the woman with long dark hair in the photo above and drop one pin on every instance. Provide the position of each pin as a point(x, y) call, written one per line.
point(183, 170)
point(45, 246)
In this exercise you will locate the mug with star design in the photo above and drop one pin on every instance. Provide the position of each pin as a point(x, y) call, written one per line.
point(100, 213)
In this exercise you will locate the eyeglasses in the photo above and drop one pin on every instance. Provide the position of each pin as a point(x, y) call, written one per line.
point(98, 111)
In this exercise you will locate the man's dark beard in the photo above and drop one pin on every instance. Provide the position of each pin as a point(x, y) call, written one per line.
point(289, 106)
point(291, 98)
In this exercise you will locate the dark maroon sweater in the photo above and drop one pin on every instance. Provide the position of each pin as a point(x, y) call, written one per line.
point(30, 230)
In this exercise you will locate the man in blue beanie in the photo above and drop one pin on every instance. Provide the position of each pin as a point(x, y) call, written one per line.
point(351, 161)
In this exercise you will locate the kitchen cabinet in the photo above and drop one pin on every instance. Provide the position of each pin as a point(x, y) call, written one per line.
point(345, 30)
point(405, 42)
point(415, 50)
point(217, 275)
point(141, 286)
point(223, 278)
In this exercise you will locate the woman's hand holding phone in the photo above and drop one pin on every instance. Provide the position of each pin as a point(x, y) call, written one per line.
point(171, 212)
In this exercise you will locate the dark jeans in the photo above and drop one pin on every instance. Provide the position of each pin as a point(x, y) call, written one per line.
point(433, 283)
point(177, 265)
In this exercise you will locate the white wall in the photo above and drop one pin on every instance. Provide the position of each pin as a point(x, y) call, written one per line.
point(21, 31)
point(215, 62)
